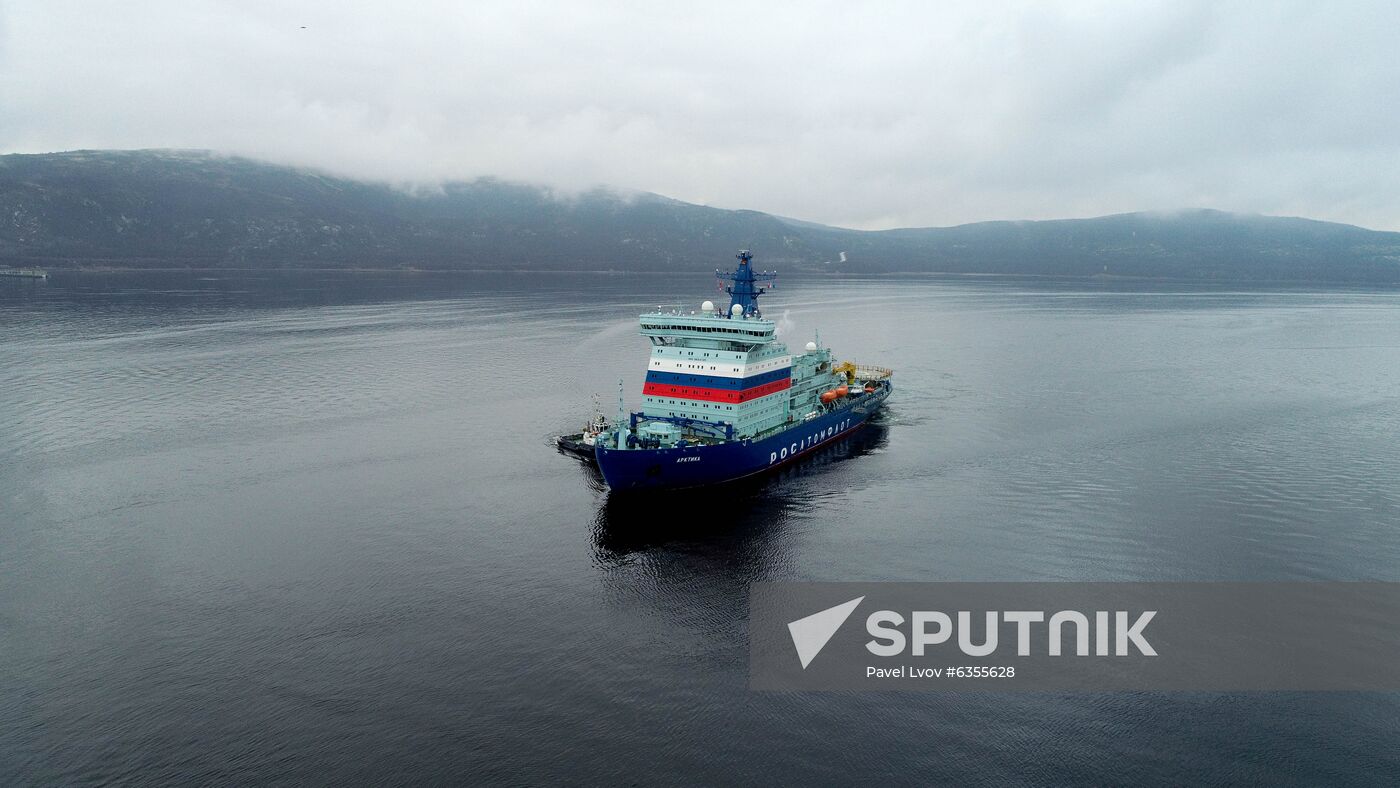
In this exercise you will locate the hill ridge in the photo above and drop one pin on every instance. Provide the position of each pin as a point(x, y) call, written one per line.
point(200, 209)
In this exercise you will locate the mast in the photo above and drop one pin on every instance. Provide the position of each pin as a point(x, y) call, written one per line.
point(621, 414)
point(745, 290)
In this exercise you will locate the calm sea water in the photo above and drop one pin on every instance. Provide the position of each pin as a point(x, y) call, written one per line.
point(312, 528)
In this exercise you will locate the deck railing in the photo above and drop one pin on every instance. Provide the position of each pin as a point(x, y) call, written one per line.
point(868, 372)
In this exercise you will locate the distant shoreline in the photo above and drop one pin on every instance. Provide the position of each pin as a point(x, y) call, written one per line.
point(804, 271)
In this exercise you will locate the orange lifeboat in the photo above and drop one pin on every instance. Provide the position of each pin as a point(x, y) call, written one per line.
point(869, 388)
point(828, 397)
point(842, 391)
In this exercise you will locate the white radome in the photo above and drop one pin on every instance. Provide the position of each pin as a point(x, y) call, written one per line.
point(811, 346)
point(708, 306)
point(736, 310)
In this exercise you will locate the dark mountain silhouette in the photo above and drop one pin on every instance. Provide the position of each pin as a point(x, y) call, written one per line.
point(177, 209)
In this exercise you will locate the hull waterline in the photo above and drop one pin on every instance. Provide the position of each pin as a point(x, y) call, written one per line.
point(627, 470)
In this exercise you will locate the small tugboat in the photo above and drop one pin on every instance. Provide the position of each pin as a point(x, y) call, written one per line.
point(724, 400)
point(582, 444)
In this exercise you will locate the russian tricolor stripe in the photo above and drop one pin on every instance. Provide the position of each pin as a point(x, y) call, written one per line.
point(711, 394)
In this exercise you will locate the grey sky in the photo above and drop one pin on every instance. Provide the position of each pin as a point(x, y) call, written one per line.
point(867, 116)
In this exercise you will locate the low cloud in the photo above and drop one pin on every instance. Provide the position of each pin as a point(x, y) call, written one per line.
point(898, 115)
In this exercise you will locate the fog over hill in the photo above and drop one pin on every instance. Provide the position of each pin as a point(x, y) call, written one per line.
point(190, 209)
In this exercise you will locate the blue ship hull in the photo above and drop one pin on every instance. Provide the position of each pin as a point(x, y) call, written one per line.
point(696, 466)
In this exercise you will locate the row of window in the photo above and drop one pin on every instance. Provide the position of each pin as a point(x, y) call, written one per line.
point(660, 401)
point(718, 354)
point(710, 330)
point(757, 369)
point(708, 406)
point(767, 353)
point(688, 366)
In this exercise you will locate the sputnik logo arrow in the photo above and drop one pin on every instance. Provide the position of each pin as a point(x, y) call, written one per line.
point(810, 634)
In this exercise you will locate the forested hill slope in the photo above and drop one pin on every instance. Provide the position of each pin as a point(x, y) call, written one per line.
point(176, 209)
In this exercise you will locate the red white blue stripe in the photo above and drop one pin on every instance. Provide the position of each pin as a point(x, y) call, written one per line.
point(714, 388)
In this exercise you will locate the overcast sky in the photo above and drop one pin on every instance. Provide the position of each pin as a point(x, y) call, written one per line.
point(866, 116)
